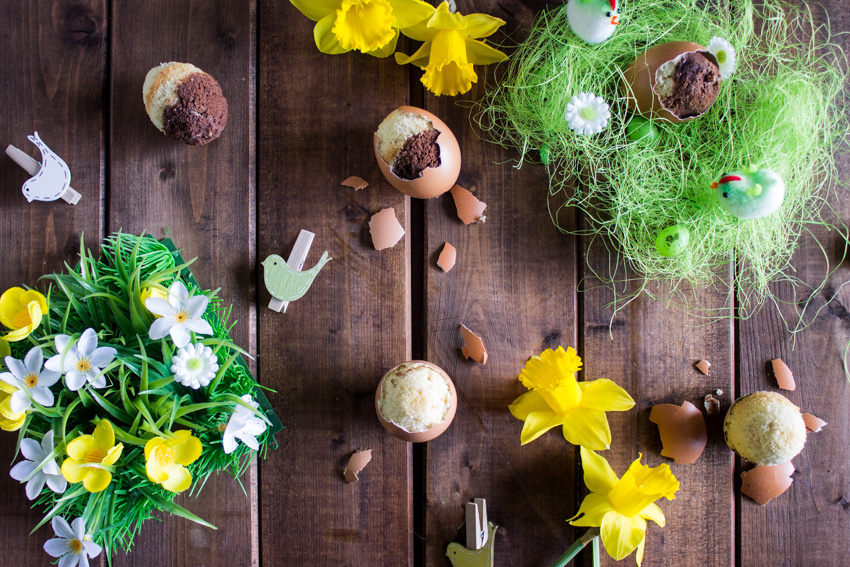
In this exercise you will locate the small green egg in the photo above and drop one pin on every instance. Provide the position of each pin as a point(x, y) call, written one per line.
point(639, 129)
point(672, 241)
point(544, 154)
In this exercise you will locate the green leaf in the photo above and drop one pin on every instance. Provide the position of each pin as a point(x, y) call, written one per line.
point(174, 509)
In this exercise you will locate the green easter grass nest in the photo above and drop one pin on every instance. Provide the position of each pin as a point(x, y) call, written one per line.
point(142, 399)
point(783, 110)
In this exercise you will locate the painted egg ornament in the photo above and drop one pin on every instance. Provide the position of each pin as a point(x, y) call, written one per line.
point(750, 194)
point(672, 241)
point(593, 21)
point(639, 129)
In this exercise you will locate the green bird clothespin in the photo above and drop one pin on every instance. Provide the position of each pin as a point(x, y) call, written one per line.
point(479, 538)
point(285, 280)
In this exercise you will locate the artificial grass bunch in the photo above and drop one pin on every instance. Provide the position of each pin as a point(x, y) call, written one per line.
point(782, 110)
point(128, 433)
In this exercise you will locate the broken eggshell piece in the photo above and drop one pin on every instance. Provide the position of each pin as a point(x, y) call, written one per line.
point(813, 423)
point(356, 183)
point(764, 483)
point(474, 346)
point(469, 208)
point(682, 429)
point(358, 461)
point(385, 228)
point(447, 258)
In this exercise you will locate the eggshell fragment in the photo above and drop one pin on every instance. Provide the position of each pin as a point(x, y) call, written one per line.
point(712, 405)
point(469, 208)
point(683, 433)
point(474, 347)
point(703, 366)
point(448, 257)
point(764, 483)
point(783, 374)
point(385, 228)
point(813, 424)
point(358, 461)
point(357, 183)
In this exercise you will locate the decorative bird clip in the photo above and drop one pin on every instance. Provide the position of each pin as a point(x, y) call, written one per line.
point(479, 538)
point(593, 21)
point(750, 194)
point(51, 178)
point(285, 280)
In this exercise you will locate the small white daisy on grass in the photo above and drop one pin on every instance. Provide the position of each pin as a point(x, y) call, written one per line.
point(587, 113)
point(725, 55)
point(194, 366)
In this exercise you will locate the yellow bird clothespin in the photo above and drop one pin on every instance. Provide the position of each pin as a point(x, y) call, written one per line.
point(479, 538)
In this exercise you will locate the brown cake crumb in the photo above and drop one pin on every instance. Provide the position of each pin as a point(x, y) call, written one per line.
point(418, 153)
point(697, 83)
point(200, 115)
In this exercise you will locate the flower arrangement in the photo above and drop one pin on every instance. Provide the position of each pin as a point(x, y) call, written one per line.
point(125, 390)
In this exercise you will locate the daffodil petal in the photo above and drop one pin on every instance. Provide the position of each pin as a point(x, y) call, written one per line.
point(151, 445)
point(419, 32)
point(316, 9)
point(528, 403)
point(552, 368)
point(640, 549)
point(443, 19)
point(179, 478)
point(386, 50)
point(587, 427)
point(364, 25)
point(97, 480)
point(326, 41)
point(480, 53)
point(156, 473)
point(73, 472)
point(621, 534)
point(18, 334)
point(410, 12)
point(606, 395)
point(113, 454)
point(654, 513)
point(187, 448)
point(594, 507)
point(419, 59)
point(598, 474)
point(481, 25)
point(77, 448)
point(538, 423)
point(104, 435)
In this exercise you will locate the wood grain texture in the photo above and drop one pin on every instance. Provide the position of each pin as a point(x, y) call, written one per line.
point(205, 197)
point(514, 285)
point(327, 353)
point(808, 524)
point(52, 75)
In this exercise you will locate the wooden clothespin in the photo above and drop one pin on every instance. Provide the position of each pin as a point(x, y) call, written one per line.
point(479, 538)
point(285, 280)
point(51, 179)
point(476, 524)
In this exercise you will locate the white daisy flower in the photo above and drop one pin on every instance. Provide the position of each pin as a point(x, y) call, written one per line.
point(243, 425)
point(725, 55)
point(32, 382)
point(178, 315)
point(83, 362)
point(50, 473)
point(587, 114)
point(195, 365)
point(71, 544)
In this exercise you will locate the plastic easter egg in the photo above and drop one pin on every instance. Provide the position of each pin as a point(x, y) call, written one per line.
point(752, 193)
point(593, 21)
point(672, 241)
point(639, 129)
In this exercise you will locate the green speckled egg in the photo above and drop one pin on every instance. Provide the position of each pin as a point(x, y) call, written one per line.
point(672, 241)
point(639, 129)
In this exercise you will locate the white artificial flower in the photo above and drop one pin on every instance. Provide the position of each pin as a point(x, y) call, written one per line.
point(195, 365)
point(725, 55)
point(587, 113)
point(71, 544)
point(49, 473)
point(32, 382)
point(83, 362)
point(243, 425)
point(179, 315)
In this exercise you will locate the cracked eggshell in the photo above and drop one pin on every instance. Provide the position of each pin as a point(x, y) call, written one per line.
point(639, 79)
point(434, 181)
point(421, 436)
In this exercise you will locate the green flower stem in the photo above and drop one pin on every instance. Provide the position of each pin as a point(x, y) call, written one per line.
point(590, 535)
point(596, 560)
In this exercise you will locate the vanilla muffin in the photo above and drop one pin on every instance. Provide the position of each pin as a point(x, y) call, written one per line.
point(408, 144)
point(185, 103)
point(765, 428)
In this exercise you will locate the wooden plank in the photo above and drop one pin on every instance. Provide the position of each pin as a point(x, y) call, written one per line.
point(514, 284)
point(52, 74)
point(808, 524)
point(205, 197)
point(326, 355)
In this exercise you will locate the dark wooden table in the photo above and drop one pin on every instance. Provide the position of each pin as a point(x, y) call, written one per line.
point(301, 122)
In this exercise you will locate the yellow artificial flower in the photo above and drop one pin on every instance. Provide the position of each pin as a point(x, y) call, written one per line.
point(167, 460)
point(9, 420)
point(87, 450)
point(620, 507)
point(370, 26)
point(149, 292)
point(450, 49)
point(21, 310)
point(556, 398)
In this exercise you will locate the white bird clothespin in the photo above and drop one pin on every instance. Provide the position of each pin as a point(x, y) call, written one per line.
point(51, 179)
point(476, 524)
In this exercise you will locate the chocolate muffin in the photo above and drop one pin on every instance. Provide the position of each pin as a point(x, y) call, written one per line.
point(408, 144)
point(185, 103)
point(689, 84)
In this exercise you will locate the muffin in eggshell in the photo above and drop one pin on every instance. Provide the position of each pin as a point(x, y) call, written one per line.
point(765, 428)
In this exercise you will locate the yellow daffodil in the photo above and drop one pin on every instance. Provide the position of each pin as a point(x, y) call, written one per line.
point(556, 398)
point(620, 507)
point(450, 49)
point(167, 460)
point(370, 26)
point(9, 420)
point(89, 456)
point(21, 310)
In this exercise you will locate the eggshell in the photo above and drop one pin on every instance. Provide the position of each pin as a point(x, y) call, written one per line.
point(783, 374)
point(474, 347)
point(683, 432)
point(434, 180)
point(639, 79)
point(421, 436)
point(448, 257)
point(703, 366)
point(469, 208)
point(764, 483)
point(385, 228)
point(357, 183)
point(358, 461)
point(813, 424)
